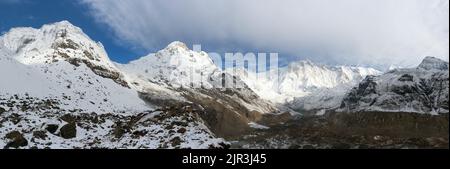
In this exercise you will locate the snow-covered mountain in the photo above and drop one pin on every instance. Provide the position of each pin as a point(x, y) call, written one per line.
point(175, 66)
point(69, 64)
point(421, 90)
point(60, 90)
point(305, 85)
point(193, 77)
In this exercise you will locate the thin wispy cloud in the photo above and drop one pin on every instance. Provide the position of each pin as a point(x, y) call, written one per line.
point(371, 32)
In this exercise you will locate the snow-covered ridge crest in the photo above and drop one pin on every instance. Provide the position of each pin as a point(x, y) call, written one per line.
point(433, 63)
point(26, 41)
point(312, 75)
point(175, 65)
point(302, 79)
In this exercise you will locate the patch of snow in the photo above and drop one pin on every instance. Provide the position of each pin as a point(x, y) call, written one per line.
point(257, 126)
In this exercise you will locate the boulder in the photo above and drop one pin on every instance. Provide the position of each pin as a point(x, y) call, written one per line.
point(68, 131)
point(17, 140)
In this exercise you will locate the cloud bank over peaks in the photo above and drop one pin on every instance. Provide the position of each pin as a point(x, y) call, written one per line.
point(370, 32)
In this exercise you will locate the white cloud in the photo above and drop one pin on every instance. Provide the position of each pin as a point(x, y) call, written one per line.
point(377, 32)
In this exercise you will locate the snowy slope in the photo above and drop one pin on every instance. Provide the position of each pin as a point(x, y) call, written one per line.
point(16, 78)
point(422, 90)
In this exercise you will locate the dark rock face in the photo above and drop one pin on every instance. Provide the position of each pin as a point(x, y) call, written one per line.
point(2, 110)
point(365, 89)
point(418, 90)
point(106, 73)
point(66, 44)
point(68, 118)
point(89, 60)
point(17, 140)
point(367, 86)
point(100, 70)
point(430, 63)
point(68, 131)
point(406, 77)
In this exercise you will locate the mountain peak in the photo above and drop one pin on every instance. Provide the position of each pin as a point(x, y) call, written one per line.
point(430, 63)
point(60, 41)
point(177, 45)
point(178, 52)
point(64, 25)
point(26, 39)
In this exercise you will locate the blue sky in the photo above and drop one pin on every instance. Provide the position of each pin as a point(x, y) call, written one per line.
point(376, 33)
